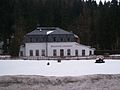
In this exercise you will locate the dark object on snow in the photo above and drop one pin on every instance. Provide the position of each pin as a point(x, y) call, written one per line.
point(48, 63)
point(59, 60)
point(100, 61)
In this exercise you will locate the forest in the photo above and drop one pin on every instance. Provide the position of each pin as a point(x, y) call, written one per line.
point(97, 24)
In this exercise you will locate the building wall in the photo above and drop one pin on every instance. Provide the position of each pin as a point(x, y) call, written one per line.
point(68, 45)
point(56, 46)
point(34, 47)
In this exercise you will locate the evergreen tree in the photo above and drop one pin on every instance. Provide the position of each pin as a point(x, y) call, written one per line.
point(90, 21)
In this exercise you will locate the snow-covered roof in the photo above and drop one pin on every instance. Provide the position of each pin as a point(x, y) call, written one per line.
point(85, 46)
point(76, 36)
point(48, 30)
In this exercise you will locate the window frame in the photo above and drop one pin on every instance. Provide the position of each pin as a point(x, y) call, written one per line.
point(21, 53)
point(36, 52)
point(76, 52)
point(90, 52)
point(61, 52)
point(54, 39)
point(68, 52)
point(83, 52)
point(31, 52)
point(42, 52)
point(54, 52)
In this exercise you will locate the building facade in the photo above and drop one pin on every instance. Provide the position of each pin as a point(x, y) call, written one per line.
point(53, 42)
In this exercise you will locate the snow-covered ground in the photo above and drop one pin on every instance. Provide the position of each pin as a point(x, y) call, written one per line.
point(65, 68)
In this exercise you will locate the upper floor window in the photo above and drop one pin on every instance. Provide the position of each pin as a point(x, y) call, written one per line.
point(54, 39)
point(68, 52)
point(37, 40)
point(31, 40)
point(61, 39)
point(68, 39)
point(44, 39)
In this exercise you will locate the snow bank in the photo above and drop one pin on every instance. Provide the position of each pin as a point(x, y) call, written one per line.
point(88, 82)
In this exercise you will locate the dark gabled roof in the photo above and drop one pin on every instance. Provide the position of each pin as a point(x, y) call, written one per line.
point(48, 30)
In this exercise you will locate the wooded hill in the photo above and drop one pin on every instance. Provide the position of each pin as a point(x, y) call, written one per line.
point(97, 25)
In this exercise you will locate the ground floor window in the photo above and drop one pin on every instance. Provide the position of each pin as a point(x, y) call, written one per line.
point(43, 52)
point(68, 52)
point(37, 52)
point(90, 52)
point(54, 52)
point(76, 52)
point(61, 52)
point(83, 52)
point(21, 53)
point(31, 52)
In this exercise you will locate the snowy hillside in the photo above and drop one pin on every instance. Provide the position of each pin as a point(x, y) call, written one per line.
point(91, 82)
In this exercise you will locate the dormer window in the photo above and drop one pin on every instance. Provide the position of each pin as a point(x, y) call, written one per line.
point(61, 39)
point(37, 40)
point(68, 39)
point(54, 39)
point(30, 39)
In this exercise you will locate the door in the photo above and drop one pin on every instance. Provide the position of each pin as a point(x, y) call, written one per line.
point(61, 52)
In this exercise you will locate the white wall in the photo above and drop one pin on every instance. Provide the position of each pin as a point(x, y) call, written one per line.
point(68, 45)
point(34, 47)
point(57, 45)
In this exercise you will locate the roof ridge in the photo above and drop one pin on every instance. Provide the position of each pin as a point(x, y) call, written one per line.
point(48, 30)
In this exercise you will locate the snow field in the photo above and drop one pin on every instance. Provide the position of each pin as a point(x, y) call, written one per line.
point(65, 68)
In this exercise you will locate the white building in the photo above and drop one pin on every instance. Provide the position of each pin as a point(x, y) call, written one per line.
point(53, 42)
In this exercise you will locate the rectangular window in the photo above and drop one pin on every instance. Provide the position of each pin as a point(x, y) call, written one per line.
point(37, 52)
point(68, 52)
point(83, 52)
point(68, 39)
point(31, 52)
point(61, 39)
point(37, 40)
point(76, 52)
point(43, 53)
point(61, 52)
point(90, 52)
point(31, 40)
point(21, 53)
point(54, 39)
point(54, 52)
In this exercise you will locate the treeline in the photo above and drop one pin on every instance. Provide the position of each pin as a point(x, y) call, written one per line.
point(97, 25)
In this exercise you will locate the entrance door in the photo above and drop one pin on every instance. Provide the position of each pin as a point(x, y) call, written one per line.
point(61, 52)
